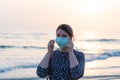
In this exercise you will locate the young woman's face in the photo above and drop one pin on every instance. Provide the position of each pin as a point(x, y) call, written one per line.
point(62, 33)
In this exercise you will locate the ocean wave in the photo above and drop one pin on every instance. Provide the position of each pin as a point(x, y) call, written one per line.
point(3, 70)
point(16, 34)
point(105, 55)
point(102, 77)
point(21, 35)
point(24, 47)
point(105, 67)
point(102, 40)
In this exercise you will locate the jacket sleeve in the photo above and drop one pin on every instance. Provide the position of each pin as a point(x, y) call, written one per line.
point(78, 71)
point(42, 72)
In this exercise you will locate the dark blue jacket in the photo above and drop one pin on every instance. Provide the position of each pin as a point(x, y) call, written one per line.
point(59, 67)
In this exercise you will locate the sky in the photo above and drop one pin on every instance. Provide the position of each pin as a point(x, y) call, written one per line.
point(89, 16)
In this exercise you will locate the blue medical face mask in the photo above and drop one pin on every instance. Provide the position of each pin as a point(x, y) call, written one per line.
point(61, 42)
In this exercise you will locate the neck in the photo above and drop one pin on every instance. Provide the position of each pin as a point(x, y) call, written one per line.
point(65, 49)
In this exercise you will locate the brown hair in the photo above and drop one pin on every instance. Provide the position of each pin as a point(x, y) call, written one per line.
point(67, 29)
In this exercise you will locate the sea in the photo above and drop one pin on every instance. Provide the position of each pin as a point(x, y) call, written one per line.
point(20, 54)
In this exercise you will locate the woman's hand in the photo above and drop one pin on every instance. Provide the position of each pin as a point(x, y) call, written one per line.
point(51, 46)
point(45, 61)
point(70, 46)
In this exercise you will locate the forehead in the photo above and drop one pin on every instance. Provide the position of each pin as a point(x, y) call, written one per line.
point(60, 31)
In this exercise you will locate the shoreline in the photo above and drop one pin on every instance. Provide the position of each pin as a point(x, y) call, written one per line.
point(85, 77)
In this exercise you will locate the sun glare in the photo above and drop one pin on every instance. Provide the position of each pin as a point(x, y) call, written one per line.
point(89, 34)
point(92, 7)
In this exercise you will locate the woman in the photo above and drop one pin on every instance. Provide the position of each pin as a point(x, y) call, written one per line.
point(64, 63)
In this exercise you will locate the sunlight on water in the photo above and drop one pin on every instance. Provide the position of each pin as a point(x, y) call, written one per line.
point(90, 34)
point(89, 47)
point(92, 47)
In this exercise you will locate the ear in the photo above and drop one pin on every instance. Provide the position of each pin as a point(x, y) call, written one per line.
point(73, 38)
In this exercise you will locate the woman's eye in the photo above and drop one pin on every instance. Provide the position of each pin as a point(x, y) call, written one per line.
point(64, 35)
point(58, 35)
